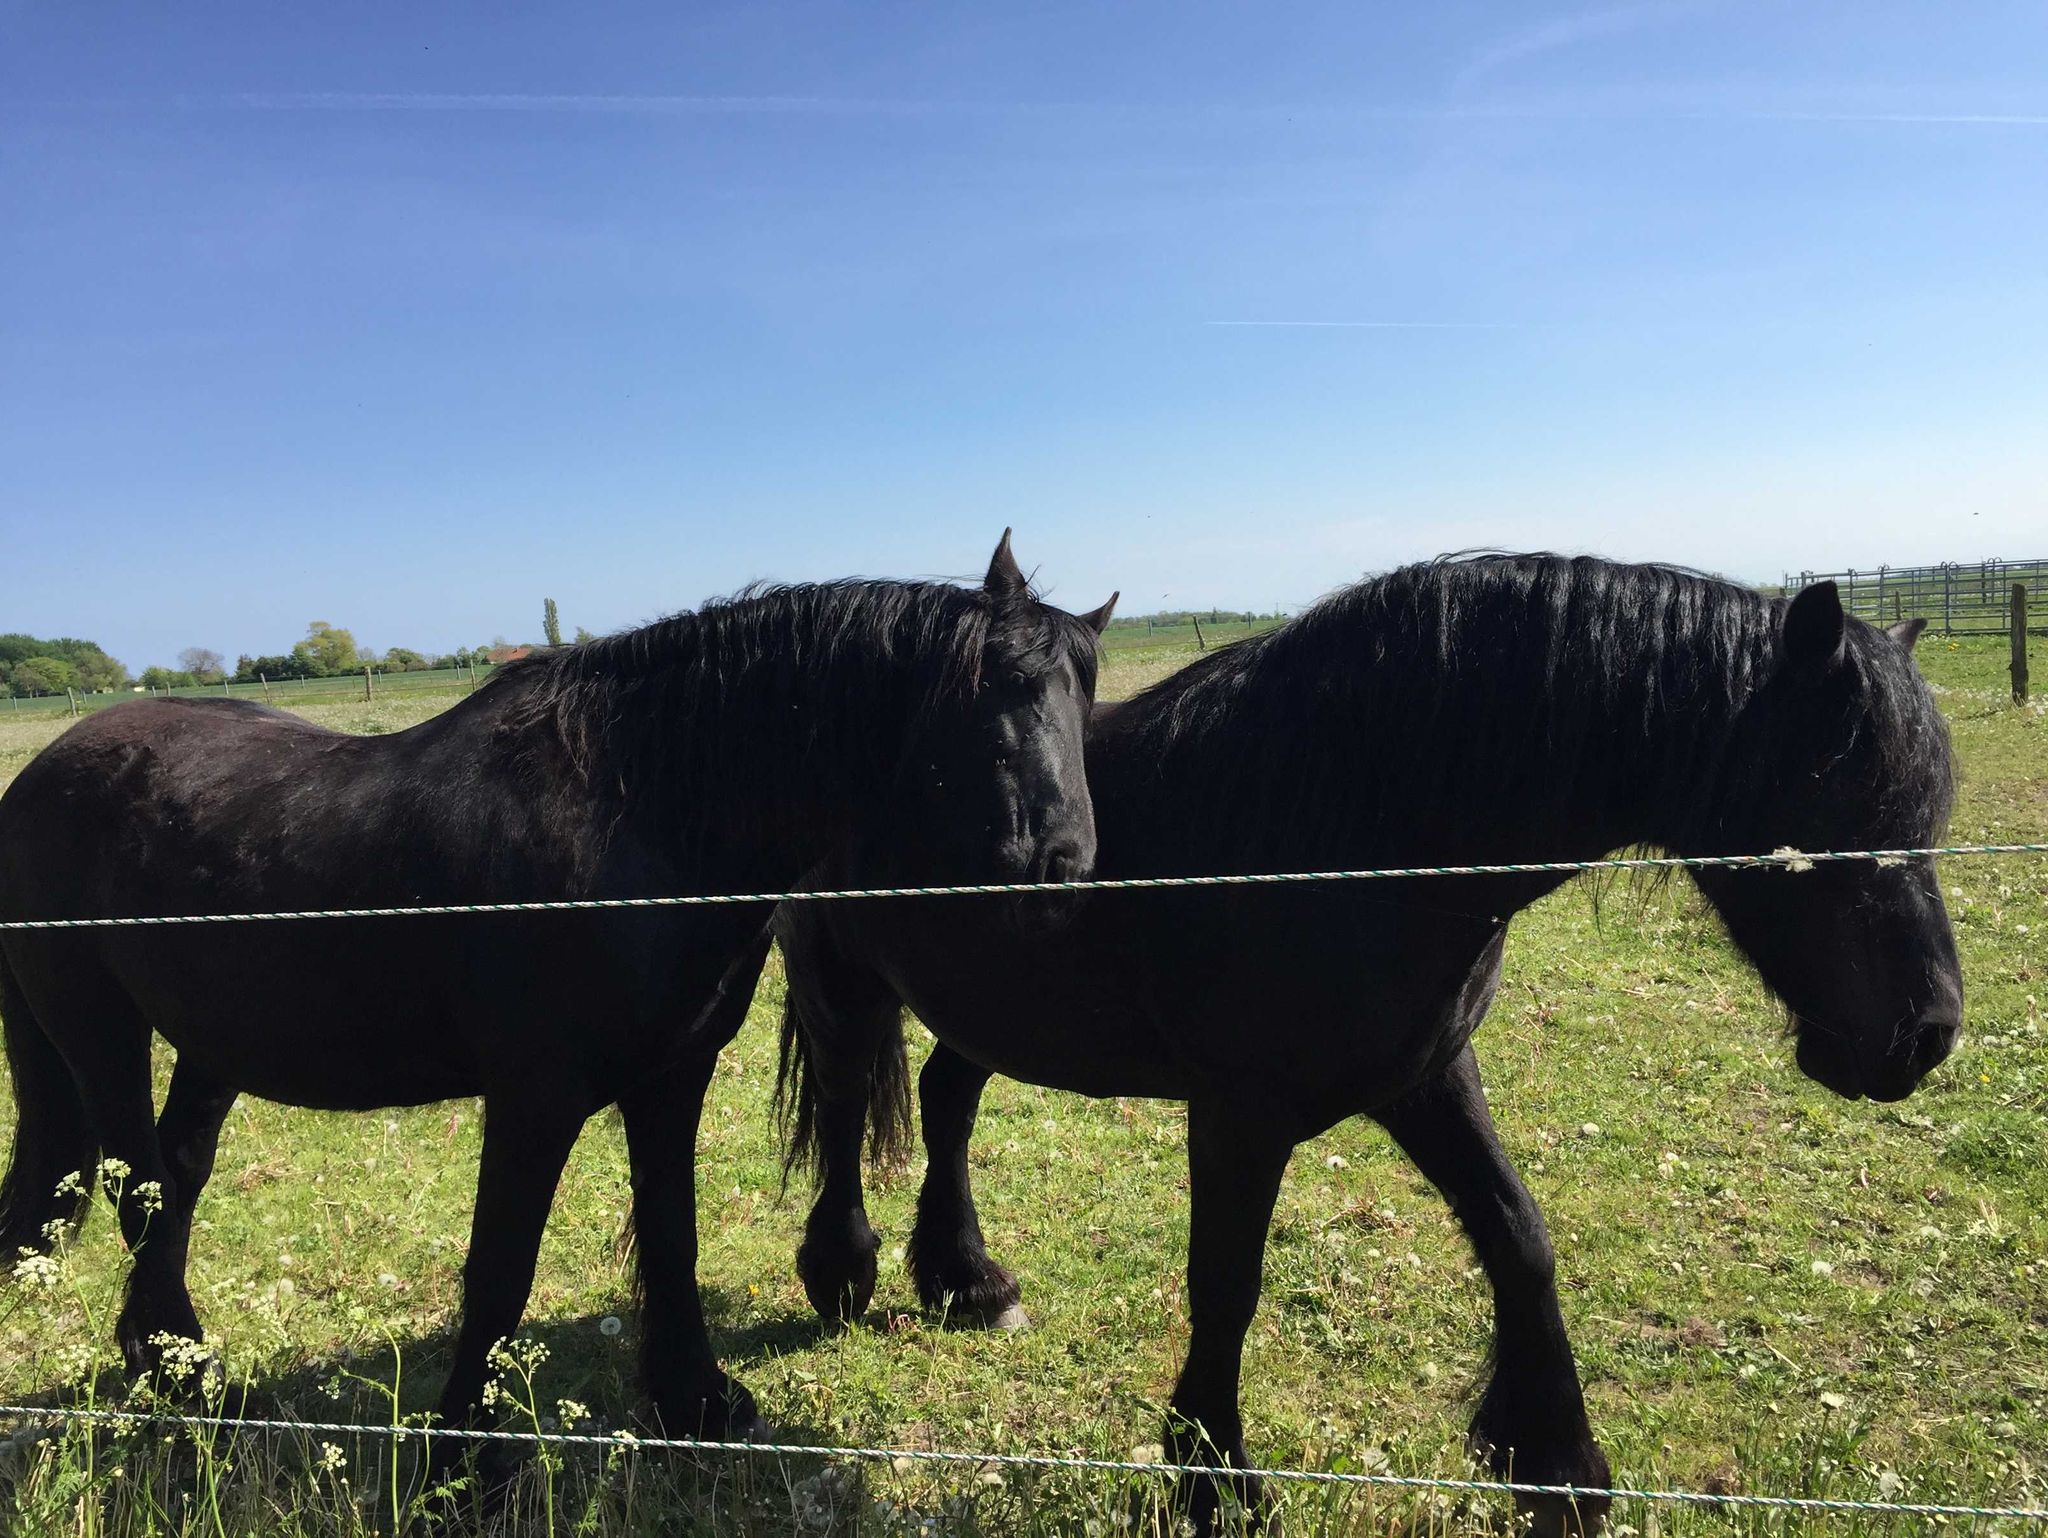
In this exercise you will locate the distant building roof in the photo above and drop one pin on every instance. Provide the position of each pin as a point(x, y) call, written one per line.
point(498, 654)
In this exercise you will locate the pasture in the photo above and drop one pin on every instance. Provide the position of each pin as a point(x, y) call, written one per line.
point(1770, 1290)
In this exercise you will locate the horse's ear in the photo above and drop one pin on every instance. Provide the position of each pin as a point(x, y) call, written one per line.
point(1814, 627)
point(1005, 578)
point(1097, 620)
point(1906, 631)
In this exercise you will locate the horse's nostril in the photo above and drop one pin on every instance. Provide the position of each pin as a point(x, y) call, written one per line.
point(1934, 1040)
point(1064, 862)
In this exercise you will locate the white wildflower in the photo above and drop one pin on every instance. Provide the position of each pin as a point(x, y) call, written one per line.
point(34, 1270)
point(181, 1355)
point(610, 1325)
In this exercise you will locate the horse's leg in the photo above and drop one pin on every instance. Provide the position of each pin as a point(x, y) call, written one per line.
point(114, 1089)
point(690, 1391)
point(187, 1134)
point(948, 1259)
point(845, 1025)
point(526, 1143)
point(1235, 1161)
point(188, 1130)
point(1531, 1422)
point(836, 1260)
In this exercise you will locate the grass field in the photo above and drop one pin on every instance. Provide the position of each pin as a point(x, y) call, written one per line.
point(1769, 1289)
point(442, 685)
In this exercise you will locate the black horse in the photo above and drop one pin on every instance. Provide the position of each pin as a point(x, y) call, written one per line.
point(729, 750)
point(1477, 710)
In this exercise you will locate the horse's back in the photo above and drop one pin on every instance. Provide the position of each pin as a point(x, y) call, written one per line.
point(130, 779)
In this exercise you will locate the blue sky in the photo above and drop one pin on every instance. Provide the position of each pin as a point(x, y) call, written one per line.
point(404, 316)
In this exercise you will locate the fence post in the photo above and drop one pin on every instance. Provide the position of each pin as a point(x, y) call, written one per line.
point(1200, 644)
point(74, 702)
point(369, 689)
point(1948, 599)
point(227, 688)
point(2019, 643)
point(266, 687)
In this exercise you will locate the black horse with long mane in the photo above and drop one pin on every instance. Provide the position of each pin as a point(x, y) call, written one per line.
point(732, 749)
point(1475, 710)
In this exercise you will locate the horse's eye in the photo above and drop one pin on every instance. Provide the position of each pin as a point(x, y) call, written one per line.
point(1018, 680)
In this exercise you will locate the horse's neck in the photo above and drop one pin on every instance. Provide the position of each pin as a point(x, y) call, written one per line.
point(714, 783)
point(1455, 781)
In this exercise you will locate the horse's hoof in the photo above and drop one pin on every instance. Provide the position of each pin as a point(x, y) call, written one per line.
point(1011, 1319)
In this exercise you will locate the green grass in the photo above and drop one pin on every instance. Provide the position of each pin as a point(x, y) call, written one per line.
point(1769, 1289)
point(445, 685)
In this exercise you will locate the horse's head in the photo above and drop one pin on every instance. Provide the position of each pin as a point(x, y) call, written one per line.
point(1024, 715)
point(1842, 748)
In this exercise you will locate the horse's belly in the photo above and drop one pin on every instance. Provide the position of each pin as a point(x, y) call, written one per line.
point(1064, 1028)
point(351, 1033)
point(1332, 1008)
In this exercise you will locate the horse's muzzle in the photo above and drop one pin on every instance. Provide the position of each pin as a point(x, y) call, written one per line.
point(1036, 913)
point(1834, 1061)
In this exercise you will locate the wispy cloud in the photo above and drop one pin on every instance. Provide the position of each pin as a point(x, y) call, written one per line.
point(850, 106)
point(1569, 31)
point(525, 101)
point(1965, 119)
point(1381, 325)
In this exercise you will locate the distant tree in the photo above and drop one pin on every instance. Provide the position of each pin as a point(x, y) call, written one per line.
point(91, 668)
point(44, 675)
point(551, 622)
point(167, 678)
point(583, 635)
point(328, 650)
point(202, 663)
point(403, 659)
point(277, 669)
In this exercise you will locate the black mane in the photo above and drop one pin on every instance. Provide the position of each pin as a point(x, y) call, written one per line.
point(1522, 686)
point(890, 655)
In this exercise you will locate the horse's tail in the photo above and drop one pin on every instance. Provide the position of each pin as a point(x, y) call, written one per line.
point(52, 1144)
point(796, 1089)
